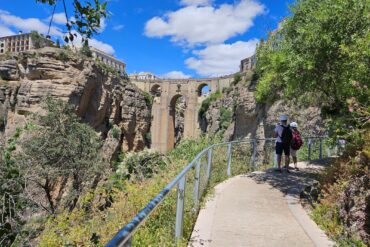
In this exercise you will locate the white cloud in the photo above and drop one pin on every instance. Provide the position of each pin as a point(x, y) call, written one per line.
point(59, 18)
point(27, 25)
point(4, 31)
point(196, 2)
point(221, 59)
point(118, 27)
point(195, 24)
point(175, 75)
point(8, 21)
point(101, 46)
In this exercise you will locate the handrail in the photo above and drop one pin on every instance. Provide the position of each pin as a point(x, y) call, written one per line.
point(123, 237)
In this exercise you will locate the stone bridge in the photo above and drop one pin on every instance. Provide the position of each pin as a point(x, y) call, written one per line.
point(166, 92)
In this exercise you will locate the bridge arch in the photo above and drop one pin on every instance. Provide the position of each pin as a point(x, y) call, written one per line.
point(203, 89)
point(172, 138)
point(166, 93)
point(156, 90)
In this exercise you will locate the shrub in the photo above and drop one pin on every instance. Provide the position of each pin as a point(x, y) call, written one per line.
point(63, 56)
point(141, 165)
point(60, 147)
point(237, 79)
point(116, 133)
point(226, 116)
point(206, 103)
point(148, 99)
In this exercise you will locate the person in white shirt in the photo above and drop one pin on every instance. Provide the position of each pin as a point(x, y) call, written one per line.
point(284, 136)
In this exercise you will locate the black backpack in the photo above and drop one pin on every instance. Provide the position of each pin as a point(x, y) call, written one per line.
point(287, 135)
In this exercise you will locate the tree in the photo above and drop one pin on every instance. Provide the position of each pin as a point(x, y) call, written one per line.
point(87, 17)
point(59, 150)
point(85, 50)
point(321, 55)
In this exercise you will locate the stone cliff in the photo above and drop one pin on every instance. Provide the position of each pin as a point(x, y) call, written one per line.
point(115, 108)
point(249, 119)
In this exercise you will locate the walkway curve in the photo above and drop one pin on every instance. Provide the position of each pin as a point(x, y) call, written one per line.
point(259, 209)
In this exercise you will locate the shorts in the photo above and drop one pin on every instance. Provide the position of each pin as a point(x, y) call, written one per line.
point(293, 152)
point(280, 147)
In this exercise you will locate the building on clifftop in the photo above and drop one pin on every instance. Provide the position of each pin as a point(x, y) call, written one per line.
point(247, 64)
point(109, 60)
point(143, 76)
point(23, 42)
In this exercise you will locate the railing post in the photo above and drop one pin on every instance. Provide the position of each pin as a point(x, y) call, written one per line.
point(253, 161)
point(309, 148)
point(320, 155)
point(196, 185)
point(128, 243)
point(229, 152)
point(180, 208)
point(209, 166)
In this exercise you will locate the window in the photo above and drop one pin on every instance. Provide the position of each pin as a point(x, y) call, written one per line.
point(2, 45)
point(2, 51)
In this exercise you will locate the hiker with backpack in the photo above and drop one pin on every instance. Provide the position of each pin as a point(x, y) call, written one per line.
point(295, 144)
point(284, 137)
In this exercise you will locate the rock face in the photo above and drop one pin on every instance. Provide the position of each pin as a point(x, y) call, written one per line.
point(354, 208)
point(254, 120)
point(101, 98)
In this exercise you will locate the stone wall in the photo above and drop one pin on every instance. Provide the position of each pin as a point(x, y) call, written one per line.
point(101, 98)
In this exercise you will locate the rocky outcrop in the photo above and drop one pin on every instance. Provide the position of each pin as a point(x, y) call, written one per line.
point(253, 120)
point(101, 98)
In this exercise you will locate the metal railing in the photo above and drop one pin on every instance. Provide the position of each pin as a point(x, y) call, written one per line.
point(235, 157)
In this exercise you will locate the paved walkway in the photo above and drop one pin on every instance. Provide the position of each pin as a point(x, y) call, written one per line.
point(259, 209)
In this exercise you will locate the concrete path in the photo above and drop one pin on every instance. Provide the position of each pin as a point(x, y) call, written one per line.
point(259, 209)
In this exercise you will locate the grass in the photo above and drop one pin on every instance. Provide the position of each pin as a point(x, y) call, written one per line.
point(90, 226)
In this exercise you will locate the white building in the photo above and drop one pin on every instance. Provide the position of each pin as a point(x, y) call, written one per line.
point(109, 60)
point(22, 42)
point(143, 76)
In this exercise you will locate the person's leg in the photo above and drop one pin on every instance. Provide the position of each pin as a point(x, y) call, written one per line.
point(295, 162)
point(279, 152)
point(279, 160)
point(293, 153)
point(287, 154)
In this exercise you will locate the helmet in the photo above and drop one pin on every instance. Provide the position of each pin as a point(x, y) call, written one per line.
point(293, 125)
point(283, 118)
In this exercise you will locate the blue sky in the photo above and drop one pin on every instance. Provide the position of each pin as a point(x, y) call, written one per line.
point(171, 38)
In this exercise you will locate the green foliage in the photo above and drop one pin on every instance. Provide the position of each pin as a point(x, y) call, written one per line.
point(116, 133)
point(322, 51)
point(85, 50)
point(148, 99)
point(87, 18)
point(63, 56)
point(237, 79)
point(141, 165)
point(38, 40)
point(106, 69)
point(226, 117)
point(60, 148)
point(206, 103)
point(11, 202)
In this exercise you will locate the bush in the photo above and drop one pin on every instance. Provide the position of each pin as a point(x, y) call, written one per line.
point(63, 56)
point(116, 133)
point(206, 103)
point(141, 165)
point(148, 99)
point(237, 79)
point(226, 117)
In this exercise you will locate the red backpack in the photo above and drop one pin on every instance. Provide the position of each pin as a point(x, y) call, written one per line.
point(296, 141)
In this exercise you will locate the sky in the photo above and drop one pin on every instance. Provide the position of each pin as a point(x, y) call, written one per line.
point(171, 38)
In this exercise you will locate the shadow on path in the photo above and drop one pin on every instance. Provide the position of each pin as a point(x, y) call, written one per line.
point(293, 182)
